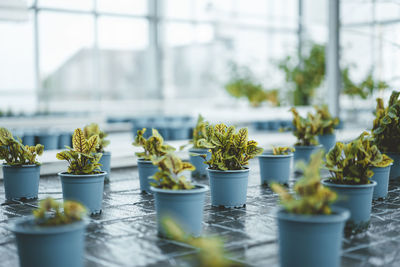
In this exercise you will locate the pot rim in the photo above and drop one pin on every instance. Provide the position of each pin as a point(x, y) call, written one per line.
point(199, 149)
point(21, 166)
point(106, 153)
point(339, 215)
point(144, 160)
point(326, 134)
point(246, 169)
point(308, 147)
point(66, 174)
point(326, 182)
point(390, 165)
point(200, 188)
point(15, 227)
point(271, 155)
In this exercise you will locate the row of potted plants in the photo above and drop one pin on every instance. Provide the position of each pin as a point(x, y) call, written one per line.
point(312, 208)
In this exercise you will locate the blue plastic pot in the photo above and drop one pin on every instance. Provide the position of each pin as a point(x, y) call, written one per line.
point(303, 153)
point(311, 240)
point(21, 181)
point(185, 207)
point(228, 188)
point(86, 189)
point(357, 199)
point(146, 169)
point(65, 139)
point(381, 177)
point(198, 162)
point(28, 138)
point(395, 169)
point(49, 246)
point(178, 133)
point(327, 141)
point(105, 162)
point(49, 140)
point(275, 168)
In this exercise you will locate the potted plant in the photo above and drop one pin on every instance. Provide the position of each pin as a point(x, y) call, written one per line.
point(275, 165)
point(84, 180)
point(21, 170)
point(228, 171)
point(105, 160)
point(386, 132)
point(310, 230)
point(350, 167)
point(199, 132)
point(326, 127)
point(153, 147)
point(381, 170)
point(176, 197)
point(305, 130)
point(53, 236)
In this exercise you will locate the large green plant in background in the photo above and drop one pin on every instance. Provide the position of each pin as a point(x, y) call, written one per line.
point(306, 74)
point(242, 84)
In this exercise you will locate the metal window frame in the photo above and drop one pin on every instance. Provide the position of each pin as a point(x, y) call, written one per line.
point(156, 20)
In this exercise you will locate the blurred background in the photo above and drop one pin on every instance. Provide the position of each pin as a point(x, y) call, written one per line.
point(152, 63)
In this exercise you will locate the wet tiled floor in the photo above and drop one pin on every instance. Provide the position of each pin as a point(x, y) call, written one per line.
point(125, 233)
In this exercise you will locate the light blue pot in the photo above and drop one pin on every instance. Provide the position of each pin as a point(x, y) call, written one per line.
point(185, 207)
point(65, 139)
point(311, 240)
point(28, 139)
point(303, 153)
point(86, 189)
point(21, 181)
point(178, 133)
point(105, 162)
point(395, 169)
point(381, 177)
point(49, 140)
point(146, 169)
point(357, 199)
point(198, 162)
point(275, 168)
point(327, 141)
point(49, 246)
point(228, 188)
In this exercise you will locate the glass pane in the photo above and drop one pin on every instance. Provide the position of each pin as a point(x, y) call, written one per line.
point(67, 4)
point(125, 62)
point(137, 7)
point(17, 74)
point(182, 9)
point(66, 55)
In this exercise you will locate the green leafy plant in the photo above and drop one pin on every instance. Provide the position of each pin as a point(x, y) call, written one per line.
point(94, 129)
point(326, 123)
point(310, 196)
point(351, 163)
point(229, 150)
point(279, 150)
point(168, 176)
point(199, 132)
point(211, 252)
point(363, 89)
point(305, 74)
point(243, 84)
point(305, 129)
point(153, 146)
point(82, 158)
point(14, 153)
point(53, 213)
point(386, 130)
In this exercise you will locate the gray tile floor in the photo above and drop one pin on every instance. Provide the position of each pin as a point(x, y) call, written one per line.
point(125, 233)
